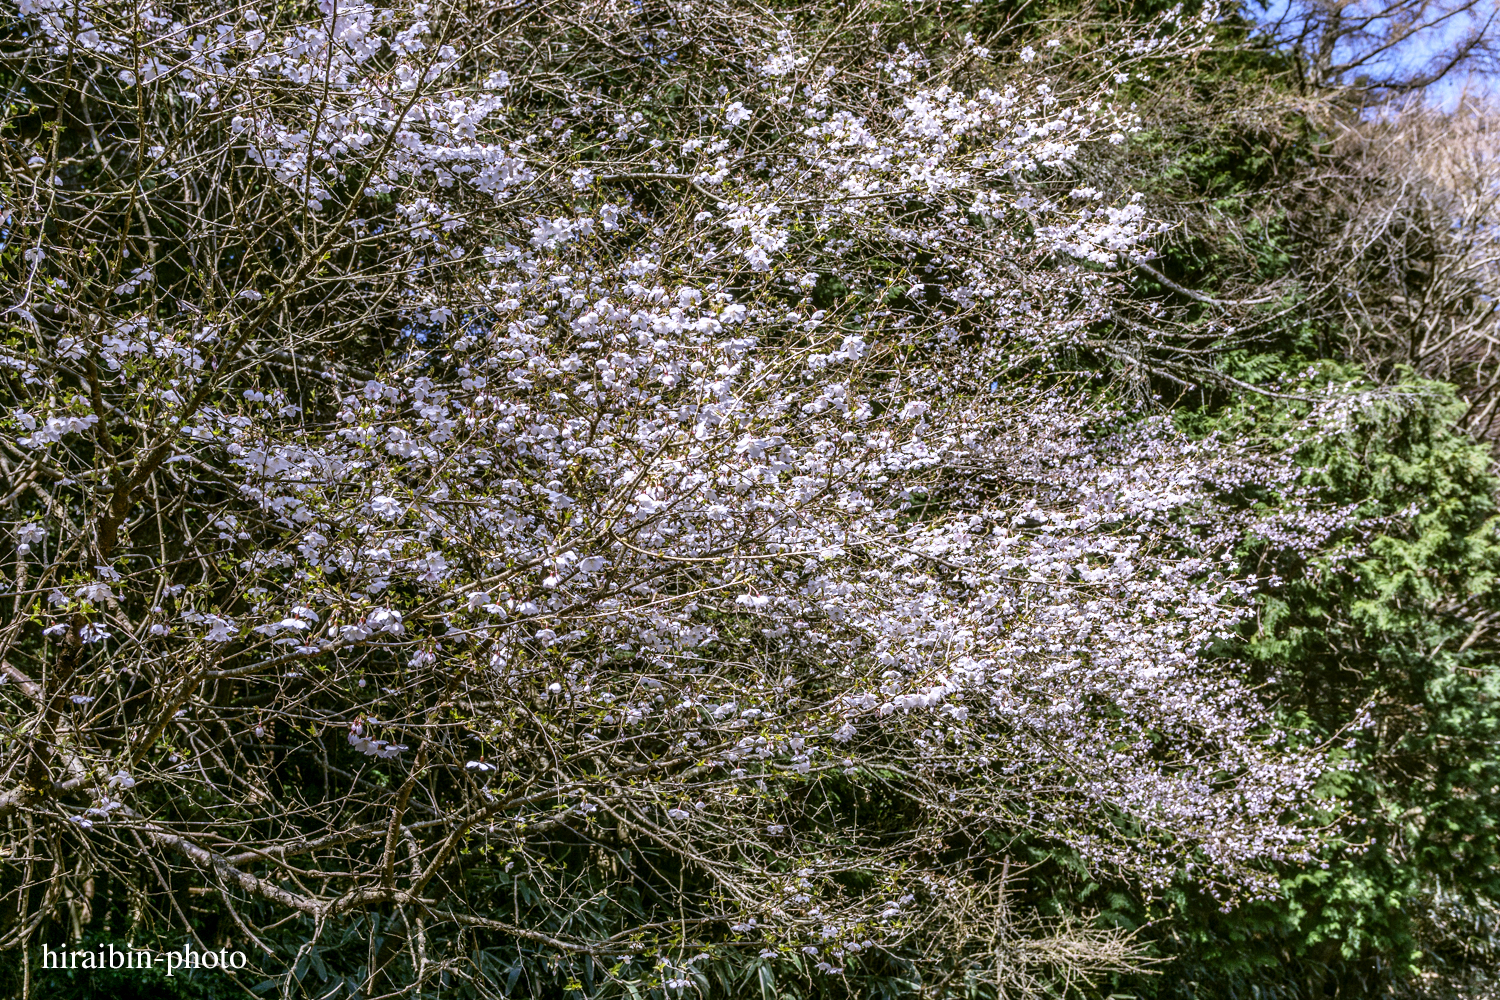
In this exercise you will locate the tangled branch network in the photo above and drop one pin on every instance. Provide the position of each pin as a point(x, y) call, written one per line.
point(444, 431)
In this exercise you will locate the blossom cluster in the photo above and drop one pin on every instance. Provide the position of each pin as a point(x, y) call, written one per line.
point(706, 450)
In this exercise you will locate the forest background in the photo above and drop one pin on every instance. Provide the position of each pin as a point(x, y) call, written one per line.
point(1299, 267)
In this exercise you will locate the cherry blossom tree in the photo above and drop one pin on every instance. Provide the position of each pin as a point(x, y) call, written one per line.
point(439, 431)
